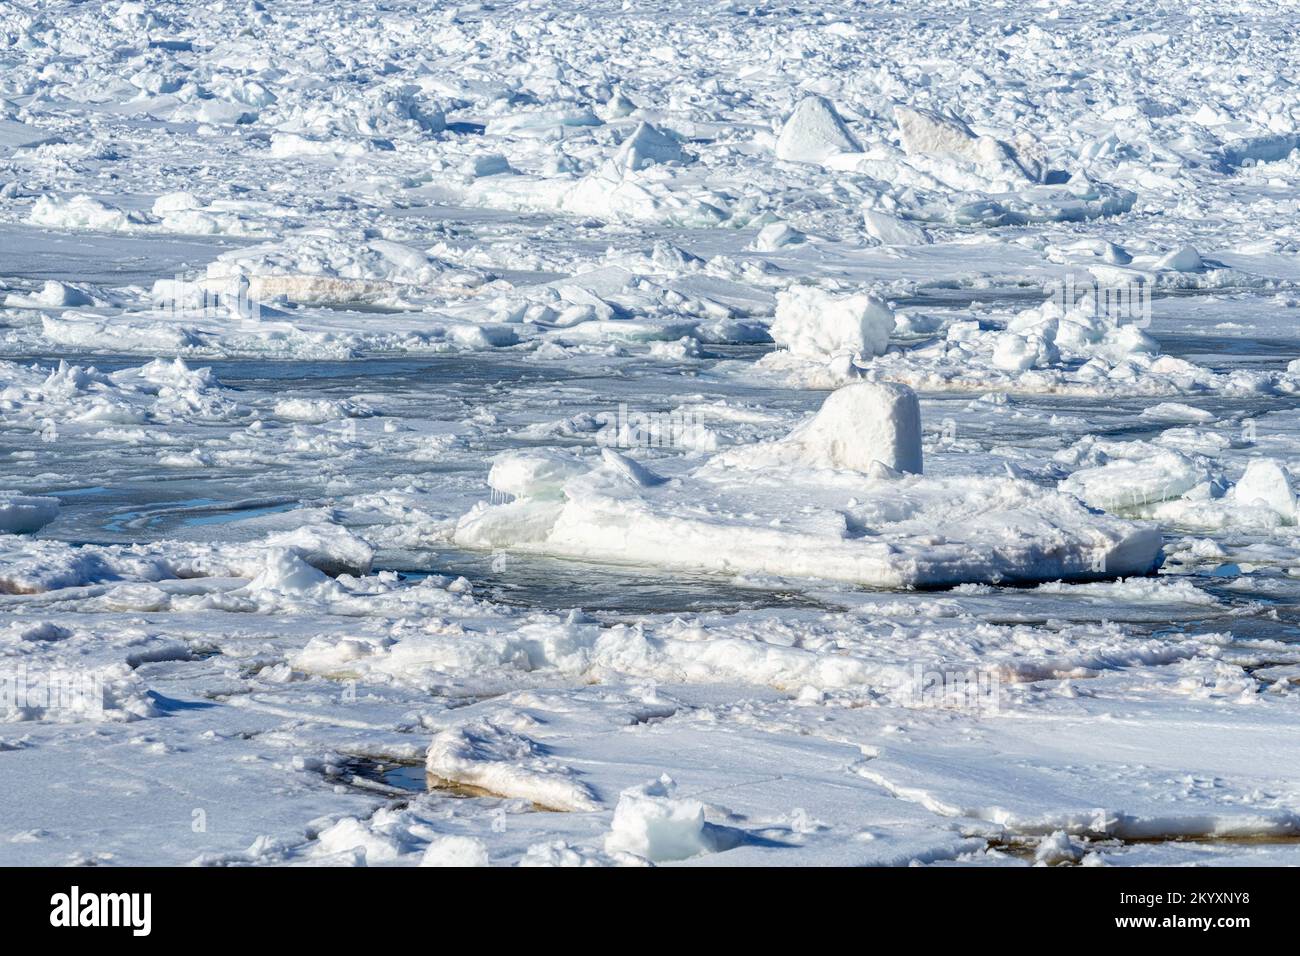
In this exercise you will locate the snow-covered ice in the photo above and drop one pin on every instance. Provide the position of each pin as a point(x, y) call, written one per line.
point(20, 514)
point(841, 497)
point(583, 434)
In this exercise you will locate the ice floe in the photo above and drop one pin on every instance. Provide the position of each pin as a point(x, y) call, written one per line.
point(861, 519)
point(282, 284)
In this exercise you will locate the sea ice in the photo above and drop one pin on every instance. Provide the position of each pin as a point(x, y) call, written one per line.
point(857, 522)
point(24, 514)
point(811, 322)
point(814, 132)
point(762, 326)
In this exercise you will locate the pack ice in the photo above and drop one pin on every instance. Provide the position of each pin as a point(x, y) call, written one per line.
point(863, 512)
point(659, 434)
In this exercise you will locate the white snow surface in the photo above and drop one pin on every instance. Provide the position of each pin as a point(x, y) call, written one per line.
point(588, 434)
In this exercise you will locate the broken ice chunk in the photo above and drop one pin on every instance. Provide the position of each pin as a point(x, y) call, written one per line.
point(814, 132)
point(816, 324)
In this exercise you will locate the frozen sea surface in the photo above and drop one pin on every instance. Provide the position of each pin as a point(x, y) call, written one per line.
point(318, 322)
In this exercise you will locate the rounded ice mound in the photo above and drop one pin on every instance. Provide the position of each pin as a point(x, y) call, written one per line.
point(1017, 353)
point(329, 548)
point(1265, 484)
point(865, 423)
point(649, 145)
point(284, 572)
point(871, 427)
point(24, 514)
point(1182, 259)
point(53, 295)
point(813, 133)
point(533, 473)
point(777, 235)
point(652, 822)
point(455, 851)
point(81, 212)
point(816, 324)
